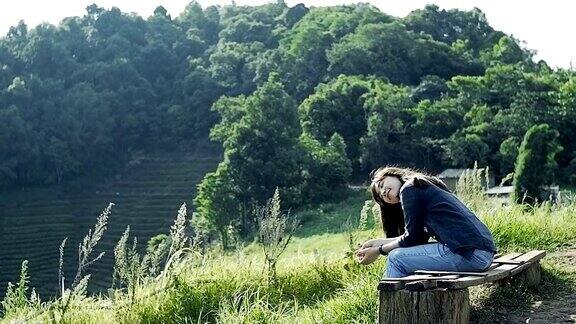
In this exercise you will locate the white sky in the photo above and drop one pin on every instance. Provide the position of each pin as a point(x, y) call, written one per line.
point(544, 26)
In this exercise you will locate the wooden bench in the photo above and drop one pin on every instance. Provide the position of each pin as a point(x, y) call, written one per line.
point(442, 297)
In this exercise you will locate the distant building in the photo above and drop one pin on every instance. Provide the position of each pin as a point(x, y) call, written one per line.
point(451, 176)
point(501, 194)
point(550, 192)
point(500, 191)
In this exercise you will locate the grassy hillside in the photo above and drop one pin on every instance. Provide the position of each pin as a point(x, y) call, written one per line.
point(147, 194)
point(318, 283)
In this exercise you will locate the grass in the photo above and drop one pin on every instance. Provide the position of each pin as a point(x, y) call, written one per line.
point(330, 217)
point(545, 227)
point(318, 283)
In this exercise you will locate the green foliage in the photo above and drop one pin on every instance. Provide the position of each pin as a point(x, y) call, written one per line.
point(261, 146)
point(155, 242)
point(509, 153)
point(17, 295)
point(451, 26)
point(337, 107)
point(328, 169)
point(216, 203)
point(431, 87)
point(303, 50)
point(472, 185)
point(391, 51)
point(507, 51)
point(86, 95)
point(536, 164)
point(275, 230)
point(438, 119)
point(385, 141)
point(14, 130)
point(261, 152)
point(370, 114)
point(230, 66)
point(128, 268)
point(464, 149)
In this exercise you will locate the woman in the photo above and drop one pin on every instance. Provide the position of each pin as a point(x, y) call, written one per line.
point(463, 242)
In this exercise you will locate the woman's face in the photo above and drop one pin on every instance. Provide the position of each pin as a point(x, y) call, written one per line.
point(389, 189)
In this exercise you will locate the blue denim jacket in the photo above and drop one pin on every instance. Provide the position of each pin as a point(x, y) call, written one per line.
point(431, 211)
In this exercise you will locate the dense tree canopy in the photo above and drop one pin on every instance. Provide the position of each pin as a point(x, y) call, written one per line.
point(300, 98)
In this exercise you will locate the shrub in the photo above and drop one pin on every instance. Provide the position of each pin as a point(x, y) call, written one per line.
point(536, 164)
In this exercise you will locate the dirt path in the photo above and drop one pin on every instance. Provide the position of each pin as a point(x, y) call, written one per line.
point(561, 309)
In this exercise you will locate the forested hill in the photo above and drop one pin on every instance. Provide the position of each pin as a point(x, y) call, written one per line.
point(300, 99)
point(84, 95)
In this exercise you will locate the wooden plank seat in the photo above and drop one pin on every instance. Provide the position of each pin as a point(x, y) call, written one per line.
point(442, 296)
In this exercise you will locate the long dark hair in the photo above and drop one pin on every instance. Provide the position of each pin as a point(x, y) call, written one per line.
point(391, 215)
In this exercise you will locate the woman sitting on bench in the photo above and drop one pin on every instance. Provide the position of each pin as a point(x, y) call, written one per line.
point(428, 209)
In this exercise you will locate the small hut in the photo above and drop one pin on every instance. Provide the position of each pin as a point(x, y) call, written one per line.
point(451, 176)
point(500, 191)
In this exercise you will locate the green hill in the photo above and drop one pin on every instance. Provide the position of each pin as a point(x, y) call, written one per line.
point(147, 194)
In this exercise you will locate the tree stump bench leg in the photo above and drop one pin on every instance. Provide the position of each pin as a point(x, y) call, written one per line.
point(432, 306)
point(530, 277)
point(403, 301)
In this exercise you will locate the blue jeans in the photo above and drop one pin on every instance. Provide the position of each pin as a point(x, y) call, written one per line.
point(434, 257)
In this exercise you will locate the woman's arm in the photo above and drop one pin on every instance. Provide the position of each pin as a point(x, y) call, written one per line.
point(413, 216)
point(377, 242)
point(394, 244)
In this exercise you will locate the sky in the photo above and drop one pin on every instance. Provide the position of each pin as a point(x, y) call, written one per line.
point(543, 26)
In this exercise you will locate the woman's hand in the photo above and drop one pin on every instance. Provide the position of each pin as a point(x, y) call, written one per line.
point(367, 255)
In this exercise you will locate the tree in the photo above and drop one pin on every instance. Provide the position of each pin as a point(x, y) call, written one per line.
point(508, 51)
point(509, 153)
point(380, 49)
point(435, 122)
point(230, 65)
point(304, 48)
point(449, 26)
point(391, 51)
point(536, 165)
point(260, 138)
point(386, 138)
point(217, 203)
point(439, 119)
point(338, 107)
point(304, 58)
point(294, 14)
point(327, 168)
point(431, 87)
point(566, 119)
point(464, 150)
point(16, 145)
